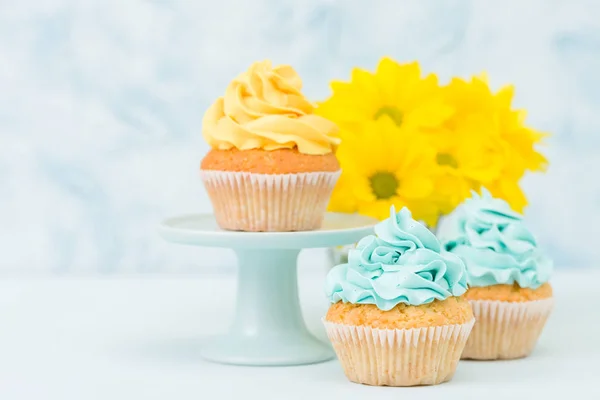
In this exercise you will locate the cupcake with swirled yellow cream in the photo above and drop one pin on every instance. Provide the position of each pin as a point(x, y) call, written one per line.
point(397, 317)
point(508, 277)
point(272, 166)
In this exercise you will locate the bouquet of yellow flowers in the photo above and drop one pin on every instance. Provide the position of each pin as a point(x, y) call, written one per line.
point(409, 141)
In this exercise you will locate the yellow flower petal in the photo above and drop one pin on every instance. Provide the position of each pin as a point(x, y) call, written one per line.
point(342, 199)
point(362, 191)
point(430, 115)
point(425, 211)
point(380, 209)
point(415, 187)
point(365, 83)
point(509, 191)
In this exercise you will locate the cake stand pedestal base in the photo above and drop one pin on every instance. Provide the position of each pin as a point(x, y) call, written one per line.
point(268, 328)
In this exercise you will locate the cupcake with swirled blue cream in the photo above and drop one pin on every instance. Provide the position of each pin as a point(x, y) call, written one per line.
point(397, 317)
point(508, 277)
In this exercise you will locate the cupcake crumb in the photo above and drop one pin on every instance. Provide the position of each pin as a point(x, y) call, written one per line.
point(511, 293)
point(453, 310)
point(280, 161)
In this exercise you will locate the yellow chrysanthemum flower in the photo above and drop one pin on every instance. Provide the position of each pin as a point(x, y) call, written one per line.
point(483, 143)
point(384, 165)
point(395, 90)
point(409, 142)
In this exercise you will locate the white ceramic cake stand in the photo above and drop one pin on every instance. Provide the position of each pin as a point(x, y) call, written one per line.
point(268, 328)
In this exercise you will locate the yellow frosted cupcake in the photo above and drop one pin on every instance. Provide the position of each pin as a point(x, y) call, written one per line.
point(508, 277)
point(272, 165)
point(397, 318)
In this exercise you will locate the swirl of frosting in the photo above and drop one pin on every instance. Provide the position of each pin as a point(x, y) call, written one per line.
point(494, 243)
point(402, 264)
point(263, 108)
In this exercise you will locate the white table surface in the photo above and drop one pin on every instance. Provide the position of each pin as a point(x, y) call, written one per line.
point(138, 338)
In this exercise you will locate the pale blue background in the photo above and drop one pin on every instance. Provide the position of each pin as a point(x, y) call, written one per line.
point(101, 103)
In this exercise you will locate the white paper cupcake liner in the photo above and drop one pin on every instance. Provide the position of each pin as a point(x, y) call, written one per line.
point(399, 357)
point(262, 202)
point(506, 330)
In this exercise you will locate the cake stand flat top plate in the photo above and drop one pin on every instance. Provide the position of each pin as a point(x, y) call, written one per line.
point(202, 230)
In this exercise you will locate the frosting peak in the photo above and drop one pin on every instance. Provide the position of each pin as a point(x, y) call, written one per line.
point(402, 264)
point(264, 108)
point(401, 230)
point(494, 243)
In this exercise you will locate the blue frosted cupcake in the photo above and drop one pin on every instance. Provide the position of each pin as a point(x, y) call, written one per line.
point(397, 318)
point(507, 273)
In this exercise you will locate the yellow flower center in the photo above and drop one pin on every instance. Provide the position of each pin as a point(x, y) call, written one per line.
point(447, 159)
point(392, 112)
point(384, 184)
